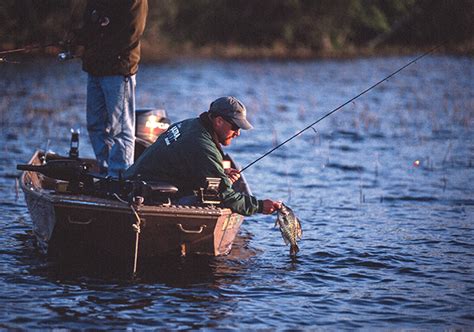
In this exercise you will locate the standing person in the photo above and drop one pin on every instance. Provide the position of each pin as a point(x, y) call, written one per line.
point(191, 150)
point(111, 38)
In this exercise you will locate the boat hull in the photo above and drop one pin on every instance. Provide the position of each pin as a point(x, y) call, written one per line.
point(75, 224)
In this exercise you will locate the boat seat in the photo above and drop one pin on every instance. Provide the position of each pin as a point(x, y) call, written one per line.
point(161, 187)
point(154, 191)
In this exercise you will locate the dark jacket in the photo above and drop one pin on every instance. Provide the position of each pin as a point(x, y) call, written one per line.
point(185, 155)
point(111, 36)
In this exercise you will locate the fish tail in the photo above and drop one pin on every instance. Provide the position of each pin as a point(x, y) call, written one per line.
point(294, 250)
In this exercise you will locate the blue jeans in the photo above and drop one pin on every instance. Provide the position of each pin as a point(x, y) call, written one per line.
point(111, 121)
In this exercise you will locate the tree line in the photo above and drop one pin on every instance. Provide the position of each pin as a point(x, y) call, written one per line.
point(324, 26)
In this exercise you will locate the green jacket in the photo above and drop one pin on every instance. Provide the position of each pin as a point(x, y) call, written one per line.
point(185, 155)
point(111, 36)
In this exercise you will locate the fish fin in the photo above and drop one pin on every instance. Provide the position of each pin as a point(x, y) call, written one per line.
point(299, 230)
point(285, 239)
point(294, 250)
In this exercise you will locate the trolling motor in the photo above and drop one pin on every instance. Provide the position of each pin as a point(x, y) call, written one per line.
point(60, 169)
point(72, 169)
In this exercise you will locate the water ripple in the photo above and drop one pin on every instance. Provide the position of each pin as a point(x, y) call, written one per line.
point(383, 192)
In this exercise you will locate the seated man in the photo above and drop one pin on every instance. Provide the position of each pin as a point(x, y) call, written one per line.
point(190, 150)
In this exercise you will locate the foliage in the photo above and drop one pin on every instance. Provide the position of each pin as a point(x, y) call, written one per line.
point(314, 25)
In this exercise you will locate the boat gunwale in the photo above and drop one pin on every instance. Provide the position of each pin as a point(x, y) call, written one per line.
point(102, 203)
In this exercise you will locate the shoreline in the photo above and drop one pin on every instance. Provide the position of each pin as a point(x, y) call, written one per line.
point(278, 52)
point(283, 52)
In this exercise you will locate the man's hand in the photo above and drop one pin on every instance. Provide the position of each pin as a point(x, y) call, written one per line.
point(232, 174)
point(270, 206)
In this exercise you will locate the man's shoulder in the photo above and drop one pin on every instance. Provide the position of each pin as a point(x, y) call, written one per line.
point(193, 127)
point(195, 134)
point(188, 131)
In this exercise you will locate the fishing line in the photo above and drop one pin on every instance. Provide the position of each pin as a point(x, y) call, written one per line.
point(342, 105)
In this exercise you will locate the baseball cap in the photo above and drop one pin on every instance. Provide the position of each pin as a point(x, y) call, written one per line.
point(231, 108)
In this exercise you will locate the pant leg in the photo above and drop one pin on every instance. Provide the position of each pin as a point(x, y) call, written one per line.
point(119, 92)
point(97, 123)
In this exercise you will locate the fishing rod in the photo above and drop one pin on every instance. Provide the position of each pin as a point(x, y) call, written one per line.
point(342, 105)
point(18, 50)
point(27, 48)
point(64, 55)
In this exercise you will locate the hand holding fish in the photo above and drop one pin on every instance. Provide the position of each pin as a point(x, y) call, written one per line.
point(290, 228)
point(270, 206)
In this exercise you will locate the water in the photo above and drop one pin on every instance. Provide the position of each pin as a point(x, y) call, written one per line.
point(384, 190)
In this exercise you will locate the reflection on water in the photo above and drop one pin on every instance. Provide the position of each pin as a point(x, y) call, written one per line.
point(172, 271)
point(383, 189)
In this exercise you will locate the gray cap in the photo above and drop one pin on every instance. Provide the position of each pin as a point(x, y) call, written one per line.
point(231, 108)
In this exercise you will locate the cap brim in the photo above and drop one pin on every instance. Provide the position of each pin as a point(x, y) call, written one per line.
point(242, 123)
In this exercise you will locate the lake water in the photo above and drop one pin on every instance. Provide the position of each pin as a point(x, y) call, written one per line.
point(384, 190)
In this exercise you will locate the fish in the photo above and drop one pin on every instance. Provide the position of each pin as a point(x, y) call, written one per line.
point(290, 228)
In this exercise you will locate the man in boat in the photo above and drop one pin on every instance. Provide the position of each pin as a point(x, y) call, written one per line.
point(111, 38)
point(191, 150)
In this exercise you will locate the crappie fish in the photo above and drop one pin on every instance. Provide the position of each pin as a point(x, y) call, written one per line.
point(290, 228)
